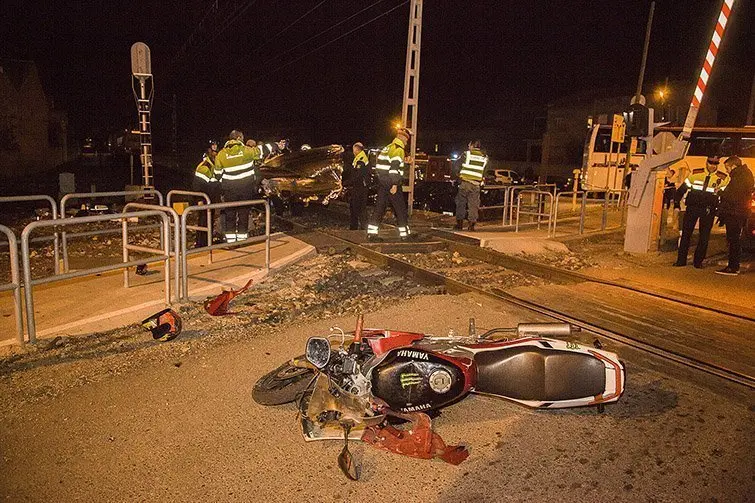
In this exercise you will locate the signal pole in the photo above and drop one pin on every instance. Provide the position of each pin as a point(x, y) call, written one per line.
point(411, 87)
point(141, 70)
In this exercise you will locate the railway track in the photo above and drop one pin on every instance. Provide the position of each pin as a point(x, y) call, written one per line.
point(637, 332)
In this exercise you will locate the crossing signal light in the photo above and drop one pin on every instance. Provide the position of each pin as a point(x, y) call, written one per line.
point(637, 119)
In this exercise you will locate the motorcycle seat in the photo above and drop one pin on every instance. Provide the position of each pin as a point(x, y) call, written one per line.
point(539, 374)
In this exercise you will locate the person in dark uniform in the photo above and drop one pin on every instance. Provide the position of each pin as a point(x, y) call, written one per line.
point(359, 183)
point(702, 189)
point(734, 210)
point(390, 173)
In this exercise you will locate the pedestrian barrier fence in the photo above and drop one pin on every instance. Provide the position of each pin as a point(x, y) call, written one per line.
point(539, 209)
point(29, 283)
point(97, 195)
point(15, 282)
point(185, 252)
point(53, 207)
point(165, 239)
point(574, 194)
point(197, 228)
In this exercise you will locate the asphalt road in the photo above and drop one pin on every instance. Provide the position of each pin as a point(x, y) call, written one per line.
point(186, 429)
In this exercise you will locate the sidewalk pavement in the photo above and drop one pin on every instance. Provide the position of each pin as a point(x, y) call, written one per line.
point(100, 303)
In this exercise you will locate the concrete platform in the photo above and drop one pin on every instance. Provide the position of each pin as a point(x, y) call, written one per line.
point(100, 303)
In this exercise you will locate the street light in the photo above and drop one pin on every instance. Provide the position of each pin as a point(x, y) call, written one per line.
point(663, 94)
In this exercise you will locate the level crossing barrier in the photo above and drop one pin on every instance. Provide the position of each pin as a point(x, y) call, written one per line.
point(165, 239)
point(97, 195)
point(53, 207)
point(197, 228)
point(29, 283)
point(15, 282)
point(538, 212)
point(185, 252)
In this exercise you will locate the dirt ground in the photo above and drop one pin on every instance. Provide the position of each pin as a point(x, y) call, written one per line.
point(118, 417)
point(604, 257)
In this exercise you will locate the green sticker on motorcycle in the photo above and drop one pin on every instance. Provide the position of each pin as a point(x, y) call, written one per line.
point(410, 379)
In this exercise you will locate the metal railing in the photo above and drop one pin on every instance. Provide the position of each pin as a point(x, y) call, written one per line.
point(53, 207)
point(508, 202)
point(197, 228)
point(538, 212)
point(29, 283)
point(97, 195)
point(185, 252)
point(165, 239)
point(574, 194)
point(15, 282)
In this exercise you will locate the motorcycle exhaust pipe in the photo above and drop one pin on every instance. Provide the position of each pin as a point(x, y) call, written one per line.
point(546, 329)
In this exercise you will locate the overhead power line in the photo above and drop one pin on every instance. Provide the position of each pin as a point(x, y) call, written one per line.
point(295, 60)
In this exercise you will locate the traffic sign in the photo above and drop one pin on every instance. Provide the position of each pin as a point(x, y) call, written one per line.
point(619, 129)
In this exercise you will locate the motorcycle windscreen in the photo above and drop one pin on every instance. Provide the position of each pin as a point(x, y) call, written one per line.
point(534, 374)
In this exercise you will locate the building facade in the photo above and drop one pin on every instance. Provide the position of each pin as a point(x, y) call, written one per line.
point(33, 134)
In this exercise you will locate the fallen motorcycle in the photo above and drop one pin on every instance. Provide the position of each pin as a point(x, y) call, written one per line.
point(358, 385)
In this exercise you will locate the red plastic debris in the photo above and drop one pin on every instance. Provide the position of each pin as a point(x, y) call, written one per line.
point(419, 441)
point(219, 305)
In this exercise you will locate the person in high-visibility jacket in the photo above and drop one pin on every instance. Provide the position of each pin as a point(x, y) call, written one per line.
point(359, 183)
point(473, 163)
point(236, 164)
point(702, 188)
point(389, 169)
point(205, 180)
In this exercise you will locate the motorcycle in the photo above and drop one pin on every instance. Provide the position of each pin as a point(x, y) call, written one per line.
point(360, 385)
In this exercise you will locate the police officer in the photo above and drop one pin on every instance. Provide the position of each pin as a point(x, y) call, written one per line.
point(206, 181)
point(237, 164)
point(471, 175)
point(390, 173)
point(702, 188)
point(359, 183)
point(734, 210)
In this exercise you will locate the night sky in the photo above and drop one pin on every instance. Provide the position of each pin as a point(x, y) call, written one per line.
point(484, 63)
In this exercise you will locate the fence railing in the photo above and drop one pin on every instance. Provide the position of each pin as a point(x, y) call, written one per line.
point(98, 195)
point(197, 228)
point(53, 208)
point(539, 210)
point(185, 252)
point(165, 239)
point(15, 282)
point(29, 283)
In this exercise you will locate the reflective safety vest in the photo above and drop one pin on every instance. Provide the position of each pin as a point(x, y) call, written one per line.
point(236, 161)
point(701, 180)
point(390, 163)
point(205, 171)
point(473, 166)
point(702, 187)
point(361, 157)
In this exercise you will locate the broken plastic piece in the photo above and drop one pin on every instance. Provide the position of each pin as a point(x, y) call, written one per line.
point(419, 441)
point(165, 325)
point(219, 305)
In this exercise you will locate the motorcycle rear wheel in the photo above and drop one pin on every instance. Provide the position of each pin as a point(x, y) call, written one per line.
point(283, 385)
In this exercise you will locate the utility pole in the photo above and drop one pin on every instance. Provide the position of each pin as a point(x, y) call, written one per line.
point(411, 87)
point(141, 71)
point(751, 108)
point(638, 93)
point(174, 137)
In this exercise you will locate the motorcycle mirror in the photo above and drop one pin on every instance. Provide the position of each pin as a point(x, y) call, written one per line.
point(318, 351)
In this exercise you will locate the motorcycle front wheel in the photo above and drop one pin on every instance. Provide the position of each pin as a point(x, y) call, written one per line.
point(283, 385)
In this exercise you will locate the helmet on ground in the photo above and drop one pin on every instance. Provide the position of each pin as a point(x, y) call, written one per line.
point(165, 325)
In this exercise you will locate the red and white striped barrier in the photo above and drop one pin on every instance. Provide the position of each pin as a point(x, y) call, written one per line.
point(702, 81)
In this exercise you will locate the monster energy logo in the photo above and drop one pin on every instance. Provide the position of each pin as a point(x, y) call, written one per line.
point(410, 380)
